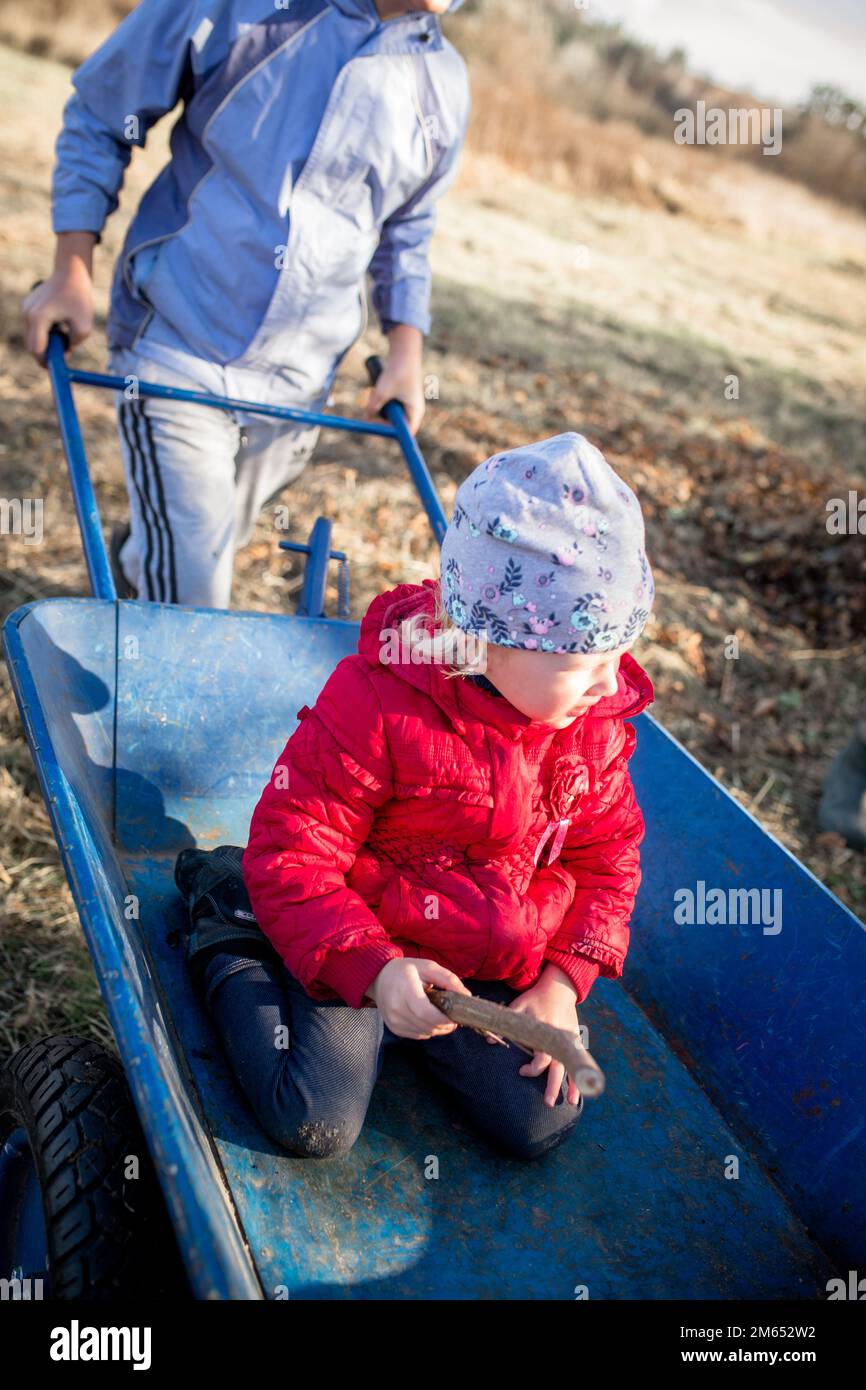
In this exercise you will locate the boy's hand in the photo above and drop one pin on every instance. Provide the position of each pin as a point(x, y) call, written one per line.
point(551, 999)
point(65, 298)
point(402, 377)
point(398, 992)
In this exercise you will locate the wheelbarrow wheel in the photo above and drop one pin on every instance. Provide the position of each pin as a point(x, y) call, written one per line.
point(80, 1204)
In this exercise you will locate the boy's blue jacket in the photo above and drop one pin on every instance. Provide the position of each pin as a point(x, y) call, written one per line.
point(313, 143)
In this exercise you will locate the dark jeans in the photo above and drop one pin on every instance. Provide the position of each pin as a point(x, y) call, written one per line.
point(308, 1067)
point(311, 1096)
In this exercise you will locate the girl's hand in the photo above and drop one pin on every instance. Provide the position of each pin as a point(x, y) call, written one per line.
point(552, 1001)
point(398, 993)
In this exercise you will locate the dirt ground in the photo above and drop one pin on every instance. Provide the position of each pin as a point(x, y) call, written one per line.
point(551, 313)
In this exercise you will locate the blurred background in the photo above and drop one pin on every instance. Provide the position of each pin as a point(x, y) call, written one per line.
point(699, 312)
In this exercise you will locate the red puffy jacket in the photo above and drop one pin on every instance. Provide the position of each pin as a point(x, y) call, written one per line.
point(405, 814)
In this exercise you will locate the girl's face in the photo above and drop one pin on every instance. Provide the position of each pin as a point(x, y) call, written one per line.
point(553, 688)
point(390, 9)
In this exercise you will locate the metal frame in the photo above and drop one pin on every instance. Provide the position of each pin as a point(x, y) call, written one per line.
point(318, 547)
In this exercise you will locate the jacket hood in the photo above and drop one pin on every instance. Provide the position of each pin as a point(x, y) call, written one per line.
point(460, 699)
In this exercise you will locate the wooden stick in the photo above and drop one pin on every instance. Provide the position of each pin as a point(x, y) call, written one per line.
point(525, 1031)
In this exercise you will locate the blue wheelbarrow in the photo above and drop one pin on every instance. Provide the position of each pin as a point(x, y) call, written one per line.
point(725, 1159)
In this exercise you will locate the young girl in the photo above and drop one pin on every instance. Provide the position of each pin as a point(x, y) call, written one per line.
point(478, 833)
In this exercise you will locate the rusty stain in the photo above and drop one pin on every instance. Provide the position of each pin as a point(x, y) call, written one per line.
point(800, 1097)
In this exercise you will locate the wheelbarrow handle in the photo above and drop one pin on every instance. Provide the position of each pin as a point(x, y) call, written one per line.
point(394, 412)
point(95, 554)
point(83, 496)
point(62, 334)
point(375, 367)
point(55, 327)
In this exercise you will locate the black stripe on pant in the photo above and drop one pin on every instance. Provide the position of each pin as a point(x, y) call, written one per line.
point(159, 571)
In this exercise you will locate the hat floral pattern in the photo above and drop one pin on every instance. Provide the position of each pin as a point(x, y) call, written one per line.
point(545, 552)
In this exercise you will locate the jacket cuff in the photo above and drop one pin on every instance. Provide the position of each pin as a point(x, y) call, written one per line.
point(79, 215)
point(349, 973)
point(582, 971)
point(403, 302)
point(422, 323)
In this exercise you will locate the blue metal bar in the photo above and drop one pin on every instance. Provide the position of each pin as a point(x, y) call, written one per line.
point(280, 412)
point(305, 549)
point(92, 540)
point(312, 601)
point(418, 469)
point(315, 572)
point(426, 488)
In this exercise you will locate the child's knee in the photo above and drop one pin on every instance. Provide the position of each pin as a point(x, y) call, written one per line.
point(314, 1127)
point(312, 1137)
point(528, 1140)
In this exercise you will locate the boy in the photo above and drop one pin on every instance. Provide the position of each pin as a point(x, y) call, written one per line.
point(315, 139)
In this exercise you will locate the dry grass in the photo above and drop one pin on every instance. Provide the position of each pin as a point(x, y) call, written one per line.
point(561, 116)
point(530, 131)
point(632, 350)
point(550, 98)
point(64, 30)
point(46, 981)
point(830, 161)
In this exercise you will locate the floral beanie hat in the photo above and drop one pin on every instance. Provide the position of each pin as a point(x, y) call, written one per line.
point(545, 551)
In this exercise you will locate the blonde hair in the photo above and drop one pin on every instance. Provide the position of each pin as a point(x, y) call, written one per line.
point(453, 637)
point(447, 641)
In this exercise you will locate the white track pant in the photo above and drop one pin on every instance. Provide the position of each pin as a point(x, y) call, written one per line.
point(197, 479)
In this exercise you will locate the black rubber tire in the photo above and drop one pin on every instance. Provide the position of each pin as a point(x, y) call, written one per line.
point(108, 1236)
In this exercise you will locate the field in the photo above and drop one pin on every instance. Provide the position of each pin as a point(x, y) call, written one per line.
point(624, 318)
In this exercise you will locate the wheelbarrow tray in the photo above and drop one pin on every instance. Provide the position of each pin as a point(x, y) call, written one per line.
point(153, 727)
